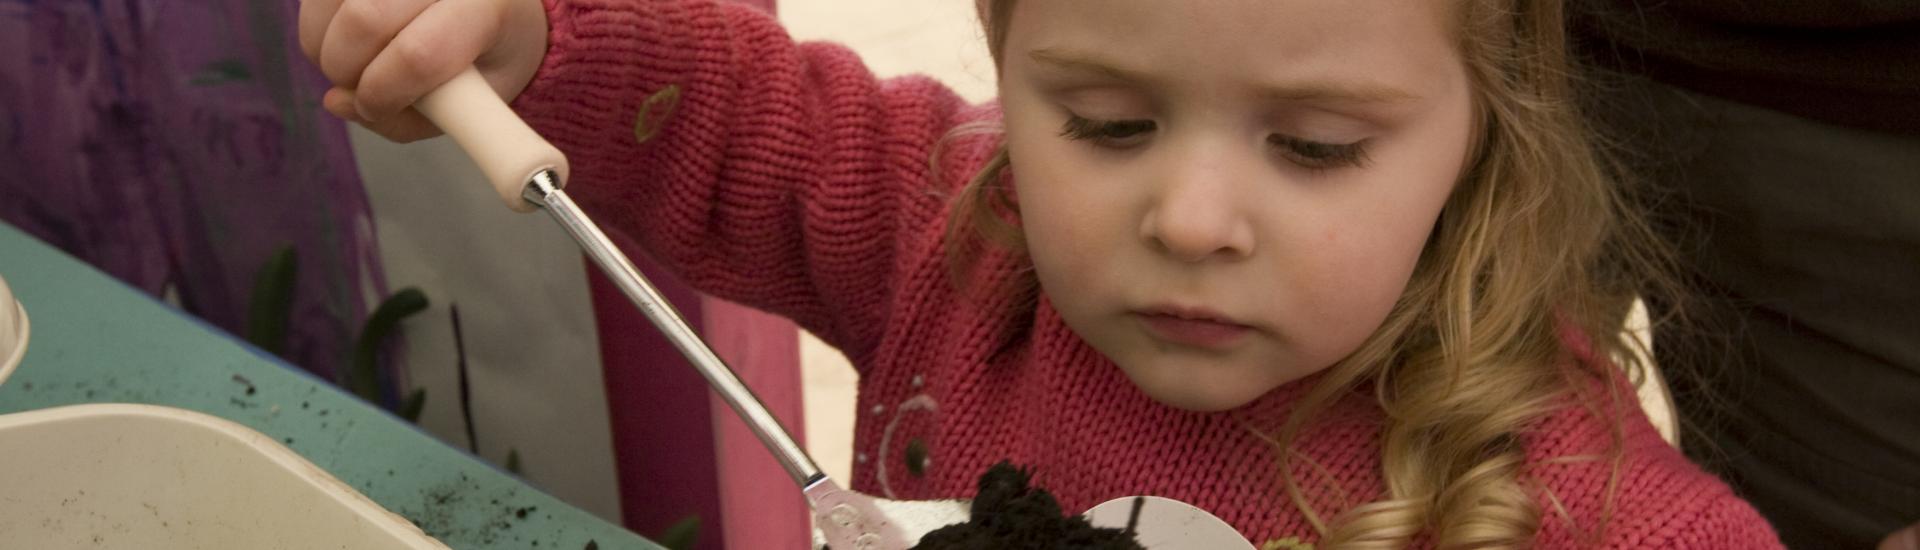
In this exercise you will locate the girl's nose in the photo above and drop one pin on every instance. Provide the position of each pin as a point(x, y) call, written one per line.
point(1195, 216)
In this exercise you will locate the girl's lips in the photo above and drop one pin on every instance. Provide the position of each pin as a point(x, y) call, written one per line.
point(1192, 328)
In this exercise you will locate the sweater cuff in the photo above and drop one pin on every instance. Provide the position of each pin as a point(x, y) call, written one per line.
point(539, 93)
point(599, 46)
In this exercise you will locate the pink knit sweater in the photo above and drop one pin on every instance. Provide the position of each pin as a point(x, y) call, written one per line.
point(787, 177)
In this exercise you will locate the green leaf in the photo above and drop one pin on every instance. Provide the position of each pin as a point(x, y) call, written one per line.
point(365, 379)
point(272, 302)
point(416, 402)
point(513, 461)
point(682, 535)
point(655, 112)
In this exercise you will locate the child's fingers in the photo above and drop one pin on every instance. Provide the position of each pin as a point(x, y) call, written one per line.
point(314, 16)
point(360, 29)
point(406, 127)
point(339, 101)
point(440, 43)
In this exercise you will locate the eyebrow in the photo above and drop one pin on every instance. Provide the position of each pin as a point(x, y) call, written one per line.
point(1317, 90)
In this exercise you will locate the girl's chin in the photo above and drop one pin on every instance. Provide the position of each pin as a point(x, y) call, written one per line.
point(1202, 385)
point(1182, 388)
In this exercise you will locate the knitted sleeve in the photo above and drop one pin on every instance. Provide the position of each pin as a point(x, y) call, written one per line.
point(1648, 496)
point(780, 175)
point(1706, 516)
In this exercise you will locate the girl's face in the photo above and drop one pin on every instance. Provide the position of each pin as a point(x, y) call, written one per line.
point(1226, 196)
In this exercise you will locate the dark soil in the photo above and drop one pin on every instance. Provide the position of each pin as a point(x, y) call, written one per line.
point(1009, 514)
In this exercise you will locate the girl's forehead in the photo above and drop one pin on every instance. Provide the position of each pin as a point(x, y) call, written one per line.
point(1249, 22)
point(1394, 47)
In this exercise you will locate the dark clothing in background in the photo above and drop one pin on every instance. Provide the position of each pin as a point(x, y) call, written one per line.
point(1785, 138)
point(1851, 62)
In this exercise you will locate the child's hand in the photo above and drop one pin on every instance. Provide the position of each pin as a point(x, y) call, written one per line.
point(382, 55)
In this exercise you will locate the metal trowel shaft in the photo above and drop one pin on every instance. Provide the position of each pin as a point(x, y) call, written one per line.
point(529, 173)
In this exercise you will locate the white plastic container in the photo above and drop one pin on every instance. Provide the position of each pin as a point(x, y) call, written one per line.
point(13, 331)
point(159, 478)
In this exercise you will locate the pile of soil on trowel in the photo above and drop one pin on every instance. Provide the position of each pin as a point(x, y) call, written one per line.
point(1010, 514)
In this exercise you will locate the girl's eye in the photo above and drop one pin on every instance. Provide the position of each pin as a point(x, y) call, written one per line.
point(1107, 133)
point(1316, 155)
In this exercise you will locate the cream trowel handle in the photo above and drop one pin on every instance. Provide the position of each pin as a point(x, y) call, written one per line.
point(508, 151)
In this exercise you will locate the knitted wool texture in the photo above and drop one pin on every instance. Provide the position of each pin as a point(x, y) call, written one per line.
point(788, 178)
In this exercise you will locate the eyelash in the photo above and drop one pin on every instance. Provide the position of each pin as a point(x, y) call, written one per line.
point(1313, 155)
point(1106, 133)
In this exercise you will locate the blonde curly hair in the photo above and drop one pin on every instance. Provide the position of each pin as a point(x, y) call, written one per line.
point(1538, 237)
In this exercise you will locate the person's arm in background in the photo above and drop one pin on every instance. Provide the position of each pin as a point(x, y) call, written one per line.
point(1778, 142)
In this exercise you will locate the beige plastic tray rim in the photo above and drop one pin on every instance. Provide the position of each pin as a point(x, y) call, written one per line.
point(388, 526)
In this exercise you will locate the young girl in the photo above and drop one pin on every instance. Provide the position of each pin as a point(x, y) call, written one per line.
point(1345, 272)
